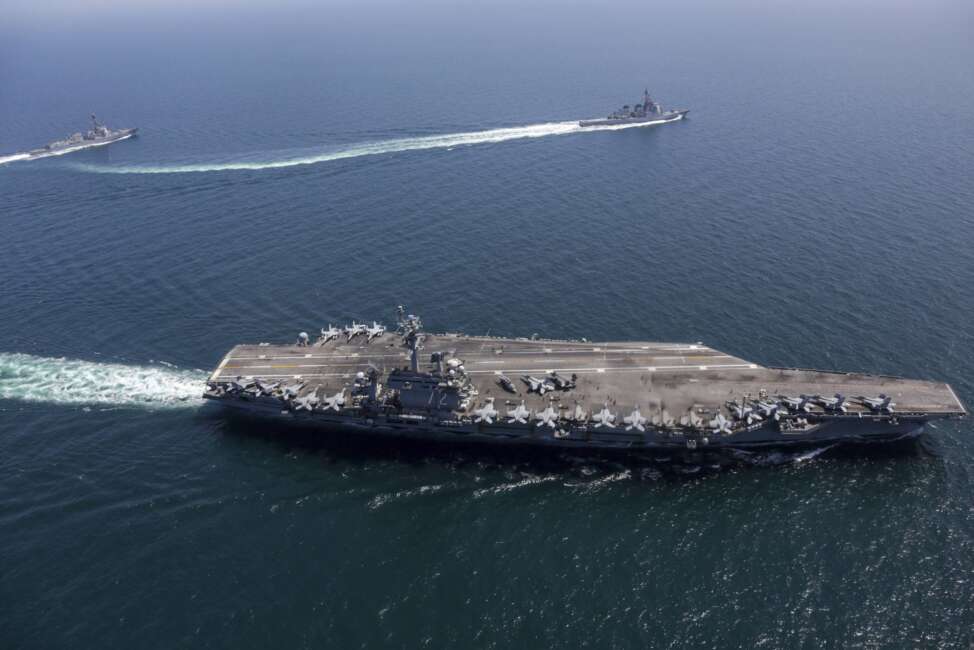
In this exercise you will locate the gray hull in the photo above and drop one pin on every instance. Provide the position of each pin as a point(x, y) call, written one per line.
point(117, 136)
point(580, 438)
point(669, 116)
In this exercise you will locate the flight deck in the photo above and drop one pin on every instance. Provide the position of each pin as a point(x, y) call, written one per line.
point(631, 393)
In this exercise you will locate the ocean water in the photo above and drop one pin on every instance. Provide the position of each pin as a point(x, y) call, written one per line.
point(298, 165)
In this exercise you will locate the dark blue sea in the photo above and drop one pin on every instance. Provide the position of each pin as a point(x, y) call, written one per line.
point(299, 164)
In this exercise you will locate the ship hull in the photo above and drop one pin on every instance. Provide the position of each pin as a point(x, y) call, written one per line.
point(123, 134)
point(447, 431)
point(623, 395)
point(671, 116)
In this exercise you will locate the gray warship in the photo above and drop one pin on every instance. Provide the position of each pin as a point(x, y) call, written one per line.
point(98, 135)
point(566, 394)
point(645, 112)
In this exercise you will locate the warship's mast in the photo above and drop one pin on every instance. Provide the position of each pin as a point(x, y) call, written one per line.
point(409, 328)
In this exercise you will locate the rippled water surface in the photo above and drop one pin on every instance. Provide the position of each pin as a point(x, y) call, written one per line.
point(306, 166)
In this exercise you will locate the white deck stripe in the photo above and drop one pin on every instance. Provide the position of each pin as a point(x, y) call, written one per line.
point(468, 363)
point(628, 369)
point(547, 369)
point(467, 359)
point(736, 366)
point(364, 352)
point(954, 395)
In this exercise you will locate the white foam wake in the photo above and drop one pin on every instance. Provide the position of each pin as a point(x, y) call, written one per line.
point(11, 158)
point(444, 141)
point(66, 381)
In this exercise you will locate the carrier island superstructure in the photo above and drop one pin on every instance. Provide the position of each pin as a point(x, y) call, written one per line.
point(570, 394)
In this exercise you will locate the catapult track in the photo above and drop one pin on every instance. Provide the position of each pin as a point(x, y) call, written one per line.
point(569, 394)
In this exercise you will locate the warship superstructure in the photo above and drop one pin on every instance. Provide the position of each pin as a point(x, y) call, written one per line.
point(363, 379)
point(646, 111)
point(98, 135)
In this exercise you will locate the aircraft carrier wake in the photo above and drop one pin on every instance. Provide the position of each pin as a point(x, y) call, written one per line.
point(566, 394)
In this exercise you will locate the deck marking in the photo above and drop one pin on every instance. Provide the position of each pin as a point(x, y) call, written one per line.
point(322, 356)
point(469, 359)
point(737, 366)
point(313, 362)
point(403, 355)
point(219, 368)
point(530, 370)
point(954, 395)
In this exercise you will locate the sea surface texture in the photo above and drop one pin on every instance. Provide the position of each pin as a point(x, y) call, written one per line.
point(300, 164)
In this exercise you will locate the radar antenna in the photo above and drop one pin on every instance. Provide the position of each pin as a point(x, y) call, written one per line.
point(410, 328)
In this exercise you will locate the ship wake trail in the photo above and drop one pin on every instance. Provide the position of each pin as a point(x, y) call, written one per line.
point(306, 157)
point(30, 378)
point(13, 157)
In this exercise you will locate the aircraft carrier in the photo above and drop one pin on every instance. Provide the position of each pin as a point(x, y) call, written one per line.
point(646, 112)
point(365, 380)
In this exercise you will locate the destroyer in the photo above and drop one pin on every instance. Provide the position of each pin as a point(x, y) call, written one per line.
point(645, 112)
point(361, 379)
point(99, 135)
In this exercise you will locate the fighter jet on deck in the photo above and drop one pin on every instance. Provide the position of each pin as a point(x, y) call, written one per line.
point(506, 384)
point(535, 385)
point(800, 403)
point(549, 416)
point(306, 403)
point(375, 331)
point(519, 414)
point(335, 402)
point(744, 413)
point(560, 382)
point(635, 420)
point(328, 334)
point(353, 330)
point(721, 424)
point(881, 404)
point(290, 392)
point(605, 418)
point(833, 404)
point(767, 409)
point(486, 413)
